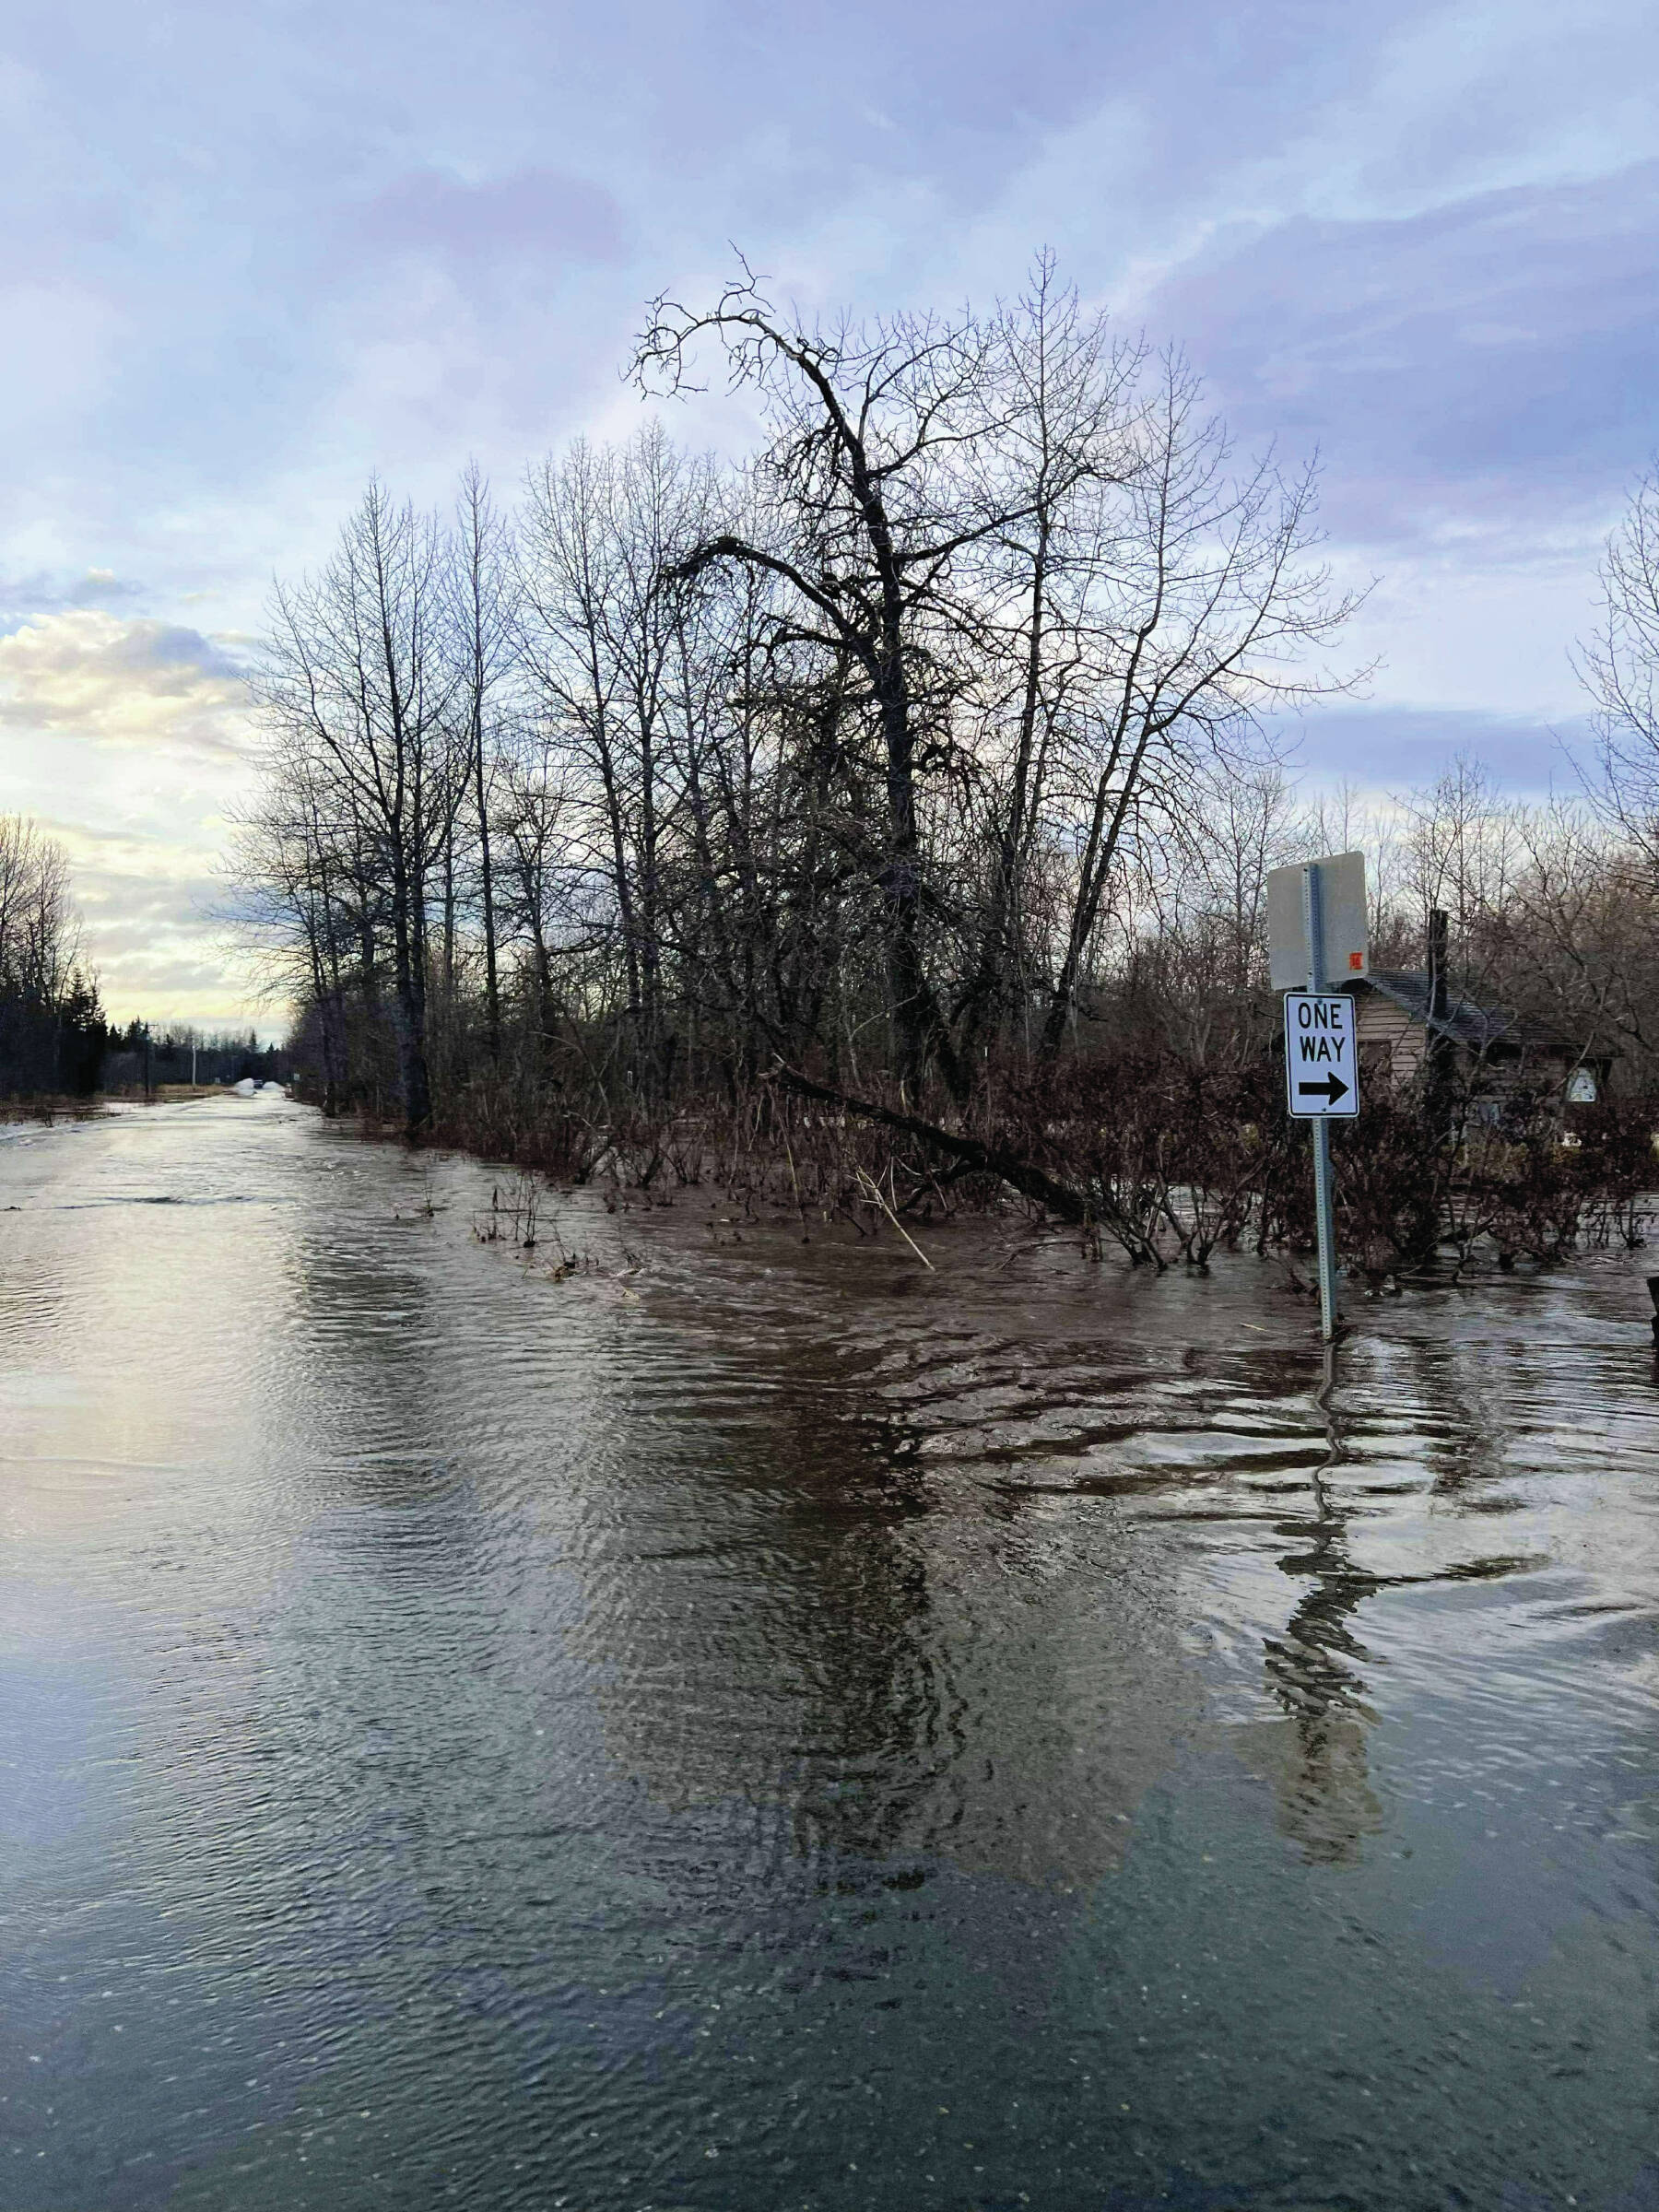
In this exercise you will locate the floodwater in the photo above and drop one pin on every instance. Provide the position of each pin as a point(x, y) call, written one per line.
point(757, 1725)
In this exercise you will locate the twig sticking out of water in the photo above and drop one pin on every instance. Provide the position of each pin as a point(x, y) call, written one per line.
point(517, 1218)
point(874, 1189)
point(796, 1182)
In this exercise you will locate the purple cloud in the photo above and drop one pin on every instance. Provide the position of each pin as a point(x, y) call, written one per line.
point(1500, 353)
point(167, 645)
point(470, 229)
point(1399, 748)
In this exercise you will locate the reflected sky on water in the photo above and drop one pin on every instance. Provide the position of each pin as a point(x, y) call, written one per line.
point(756, 1724)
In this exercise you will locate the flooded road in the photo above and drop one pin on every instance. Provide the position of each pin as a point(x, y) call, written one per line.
point(759, 1725)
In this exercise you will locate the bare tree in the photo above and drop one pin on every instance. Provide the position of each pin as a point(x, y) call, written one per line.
point(51, 1020)
point(1208, 614)
point(355, 681)
point(1574, 940)
point(483, 613)
point(294, 905)
point(1067, 441)
point(1052, 585)
point(39, 929)
point(1619, 667)
point(864, 504)
point(544, 876)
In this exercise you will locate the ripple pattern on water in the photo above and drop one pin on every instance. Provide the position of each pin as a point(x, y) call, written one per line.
point(756, 1724)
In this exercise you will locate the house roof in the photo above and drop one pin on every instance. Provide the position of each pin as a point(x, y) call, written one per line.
point(1486, 1031)
point(1480, 1030)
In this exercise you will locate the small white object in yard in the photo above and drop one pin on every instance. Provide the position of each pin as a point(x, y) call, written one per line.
point(246, 1088)
point(272, 1090)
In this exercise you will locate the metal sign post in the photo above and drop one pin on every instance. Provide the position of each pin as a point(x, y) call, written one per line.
point(1325, 1204)
point(1316, 914)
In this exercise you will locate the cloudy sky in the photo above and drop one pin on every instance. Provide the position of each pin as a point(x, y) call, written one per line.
point(252, 253)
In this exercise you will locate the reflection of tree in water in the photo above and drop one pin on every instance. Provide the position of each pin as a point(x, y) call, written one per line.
point(761, 1628)
point(897, 1663)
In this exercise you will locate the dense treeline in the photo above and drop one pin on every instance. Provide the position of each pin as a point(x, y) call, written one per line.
point(52, 1035)
point(145, 1059)
point(922, 758)
point(54, 1039)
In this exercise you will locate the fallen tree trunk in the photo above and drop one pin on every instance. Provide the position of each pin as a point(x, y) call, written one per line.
point(1021, 1174)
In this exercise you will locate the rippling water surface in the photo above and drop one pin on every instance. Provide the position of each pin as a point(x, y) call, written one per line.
point(756, 1727)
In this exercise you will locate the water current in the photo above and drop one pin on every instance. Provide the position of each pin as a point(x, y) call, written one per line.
point(752, 1725)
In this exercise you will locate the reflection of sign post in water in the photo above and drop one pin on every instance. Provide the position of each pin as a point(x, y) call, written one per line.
point(1316, 922)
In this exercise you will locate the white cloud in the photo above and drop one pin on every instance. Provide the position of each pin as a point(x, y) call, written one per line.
point(129, 741)
point(123, 682)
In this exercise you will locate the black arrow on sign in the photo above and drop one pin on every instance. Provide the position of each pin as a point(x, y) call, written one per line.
point(1332, 1089)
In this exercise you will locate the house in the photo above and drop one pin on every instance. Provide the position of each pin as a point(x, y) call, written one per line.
point(1401, 1015)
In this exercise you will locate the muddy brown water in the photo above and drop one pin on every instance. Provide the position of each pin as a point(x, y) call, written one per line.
point(759, 1725)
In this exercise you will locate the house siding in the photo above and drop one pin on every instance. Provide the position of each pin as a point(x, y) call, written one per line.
point(1385, 1033)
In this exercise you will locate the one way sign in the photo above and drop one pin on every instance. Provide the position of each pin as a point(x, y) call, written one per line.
point(1321, 1071)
